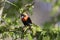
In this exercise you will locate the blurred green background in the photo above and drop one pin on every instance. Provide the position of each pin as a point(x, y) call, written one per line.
point(11, 26)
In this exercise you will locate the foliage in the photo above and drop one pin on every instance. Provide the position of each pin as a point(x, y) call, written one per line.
point(36, 32)
point(11, 25)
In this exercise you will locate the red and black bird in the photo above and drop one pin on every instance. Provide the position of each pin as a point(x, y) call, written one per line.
point(26, 20)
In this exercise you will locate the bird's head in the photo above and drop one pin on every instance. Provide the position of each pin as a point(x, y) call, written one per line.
point(23, 15)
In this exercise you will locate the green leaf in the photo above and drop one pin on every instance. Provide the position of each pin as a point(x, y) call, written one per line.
point(29, 37)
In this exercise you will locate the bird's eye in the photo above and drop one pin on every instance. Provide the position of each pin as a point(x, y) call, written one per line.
point(24, 15)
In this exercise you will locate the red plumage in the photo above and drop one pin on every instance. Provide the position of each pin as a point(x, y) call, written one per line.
point(26, 19)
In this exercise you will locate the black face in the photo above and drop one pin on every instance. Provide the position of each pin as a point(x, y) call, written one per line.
point(22, 15)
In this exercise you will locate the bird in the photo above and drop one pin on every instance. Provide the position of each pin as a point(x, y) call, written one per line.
point(26, 20)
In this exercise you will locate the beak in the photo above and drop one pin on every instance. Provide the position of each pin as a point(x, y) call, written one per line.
point(22, 17)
